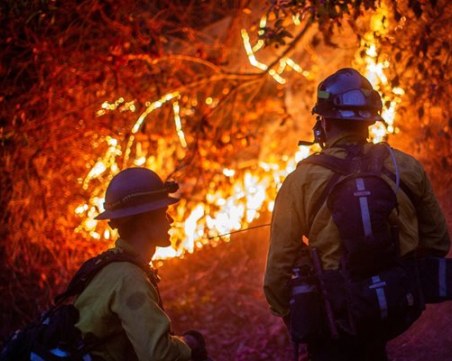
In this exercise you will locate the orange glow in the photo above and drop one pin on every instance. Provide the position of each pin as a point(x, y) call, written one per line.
point(374, 69)
point(246, 193)
point(251, 192)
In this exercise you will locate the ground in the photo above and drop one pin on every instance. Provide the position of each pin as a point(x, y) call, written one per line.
point(218, 291)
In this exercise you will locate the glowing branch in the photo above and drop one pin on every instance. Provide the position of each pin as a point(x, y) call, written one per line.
point(282, 61)
point(150, 108)
point(178, 123)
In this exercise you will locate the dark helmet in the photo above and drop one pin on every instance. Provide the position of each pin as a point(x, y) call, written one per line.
point(348, 95)
point(134, 191)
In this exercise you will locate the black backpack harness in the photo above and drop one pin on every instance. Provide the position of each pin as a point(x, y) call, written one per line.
point(54, 336)
point(373, 293)
point(355, 161)
point(91, 267)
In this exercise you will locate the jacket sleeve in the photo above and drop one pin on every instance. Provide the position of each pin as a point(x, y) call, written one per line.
point(136, 303)
point(433, 234)
point(285, 241)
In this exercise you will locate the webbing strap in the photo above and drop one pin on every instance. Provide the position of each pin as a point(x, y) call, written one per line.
point(93, 266)
point(411, 196)
point(321, 201)
point(442, 282)
point(364, 206)
point(340, 167)
point(337, 165)
point(374, 161)
point(300, 289)
point(379, 285)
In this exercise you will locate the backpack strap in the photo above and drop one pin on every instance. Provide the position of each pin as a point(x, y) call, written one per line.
point(84, 276)
point(340, 167)
point(92, 266)
point(410, 194)
point(327, 161)
point(337, 165)
point(355, 161)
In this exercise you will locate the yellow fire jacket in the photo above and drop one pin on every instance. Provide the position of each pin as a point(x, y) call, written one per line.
point(121, 301)
point(420, 228)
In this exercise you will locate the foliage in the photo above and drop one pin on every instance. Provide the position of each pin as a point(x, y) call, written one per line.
point(421, 64)
point(417, 47)
point(61, 60)
point(327, 14)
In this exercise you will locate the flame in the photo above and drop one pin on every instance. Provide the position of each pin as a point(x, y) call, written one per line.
point(249, 194)
point(106, 167)
point(245, 194)
point(108, 161)
point(374, 70)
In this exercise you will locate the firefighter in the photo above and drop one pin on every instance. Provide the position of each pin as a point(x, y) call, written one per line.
point(346, 106)
point(121, 306)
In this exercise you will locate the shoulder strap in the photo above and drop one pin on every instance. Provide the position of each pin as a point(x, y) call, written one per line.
point(410, 194)
point(337, 165)
point(370, 162)
point(339, 168)
point(91, 267)
point(355, 161)
point(380, 154)
point(84, 276)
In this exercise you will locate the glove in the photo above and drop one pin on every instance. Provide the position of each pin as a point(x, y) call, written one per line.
point(195, 340)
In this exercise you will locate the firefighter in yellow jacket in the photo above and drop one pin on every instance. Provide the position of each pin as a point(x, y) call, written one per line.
point(120, 306)
point(346, 106)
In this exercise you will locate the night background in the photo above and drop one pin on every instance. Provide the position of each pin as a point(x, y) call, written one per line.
point(215, 95)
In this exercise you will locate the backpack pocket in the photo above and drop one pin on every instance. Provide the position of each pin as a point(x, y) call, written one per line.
point(436, 278)
point(307, 317)
point(384, 305)
point(360, 205)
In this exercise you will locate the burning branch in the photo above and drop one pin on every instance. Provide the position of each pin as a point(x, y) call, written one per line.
point(91, 87)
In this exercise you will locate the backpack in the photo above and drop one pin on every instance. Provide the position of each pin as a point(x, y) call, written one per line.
point(54, 337)
point(374, 293)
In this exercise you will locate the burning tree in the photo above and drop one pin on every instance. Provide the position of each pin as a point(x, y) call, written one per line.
point(212, 93)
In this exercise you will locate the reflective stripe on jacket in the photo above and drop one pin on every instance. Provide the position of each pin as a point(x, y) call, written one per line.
point(121, 301)
point(420, 227)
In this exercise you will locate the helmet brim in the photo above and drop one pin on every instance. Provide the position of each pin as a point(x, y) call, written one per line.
point(137, 209)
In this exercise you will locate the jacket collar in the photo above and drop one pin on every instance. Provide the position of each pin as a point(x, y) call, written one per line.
point(345, 139)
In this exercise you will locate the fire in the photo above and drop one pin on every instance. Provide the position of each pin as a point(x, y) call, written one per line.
point(222, 211)
point(178, 123)
point(249, 192)
point(284, 62)
point(374, 71)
